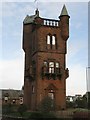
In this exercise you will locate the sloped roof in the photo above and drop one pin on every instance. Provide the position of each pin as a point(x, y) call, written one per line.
point(12, 93)
point(64, 11)
point(30, 19)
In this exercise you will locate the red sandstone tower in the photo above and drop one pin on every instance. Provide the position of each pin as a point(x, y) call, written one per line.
point(44, 44)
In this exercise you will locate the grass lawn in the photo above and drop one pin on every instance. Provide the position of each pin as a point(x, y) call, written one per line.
point(17, 114)
point(38, 114)
point(78, 110)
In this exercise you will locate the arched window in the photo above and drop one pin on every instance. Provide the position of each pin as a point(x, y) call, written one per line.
point(45, 63)
point(48, 39)
point(57, 64)
point(45, 67)
point(33, 89)
point(53, 40)
point(51, 67)
point(57, 67)
point(51, 95)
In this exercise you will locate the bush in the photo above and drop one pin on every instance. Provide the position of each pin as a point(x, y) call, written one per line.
point(36, 115)
point(46, 105)
point(7, 109)
point(48, 115)
point(22, 109)
point(41, 115)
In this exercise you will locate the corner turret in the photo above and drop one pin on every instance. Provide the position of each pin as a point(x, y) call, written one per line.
point(64, 23)
point(64, 12)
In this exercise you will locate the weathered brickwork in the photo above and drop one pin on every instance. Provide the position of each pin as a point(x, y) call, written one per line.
point(45, 47)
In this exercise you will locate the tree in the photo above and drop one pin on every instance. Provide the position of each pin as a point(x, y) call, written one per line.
point(88, 99)
point(84, 101)
point(69, 104)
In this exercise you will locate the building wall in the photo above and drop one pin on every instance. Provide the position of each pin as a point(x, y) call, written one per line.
point(36, 52)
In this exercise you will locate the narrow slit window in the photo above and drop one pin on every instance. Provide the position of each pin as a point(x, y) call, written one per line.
point(57, 65)
point(44, 22)
point(53, 40)
point(47, 22)
point(48, 39)
point(33, 89)
point(45, 63)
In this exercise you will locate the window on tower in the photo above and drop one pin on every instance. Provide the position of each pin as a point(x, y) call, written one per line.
point(51, 95)
point(45, 63)
point(33, 89)
point(51, 67)
point(57, 64)
point(57, 67)
point(48, 39)
point(51, 42)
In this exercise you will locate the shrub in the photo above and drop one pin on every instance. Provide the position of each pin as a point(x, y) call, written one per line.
point(21, 109)
point(36, 115)
point(46, 105)
point(41, 115)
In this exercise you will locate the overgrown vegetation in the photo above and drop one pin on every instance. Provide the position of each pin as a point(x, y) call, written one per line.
point(80, 102)
point(22, 109)
point(42, 115)
point(45, 108)
point(47, 105)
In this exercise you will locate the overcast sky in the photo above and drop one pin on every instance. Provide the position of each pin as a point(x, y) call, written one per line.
point(12, 59)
